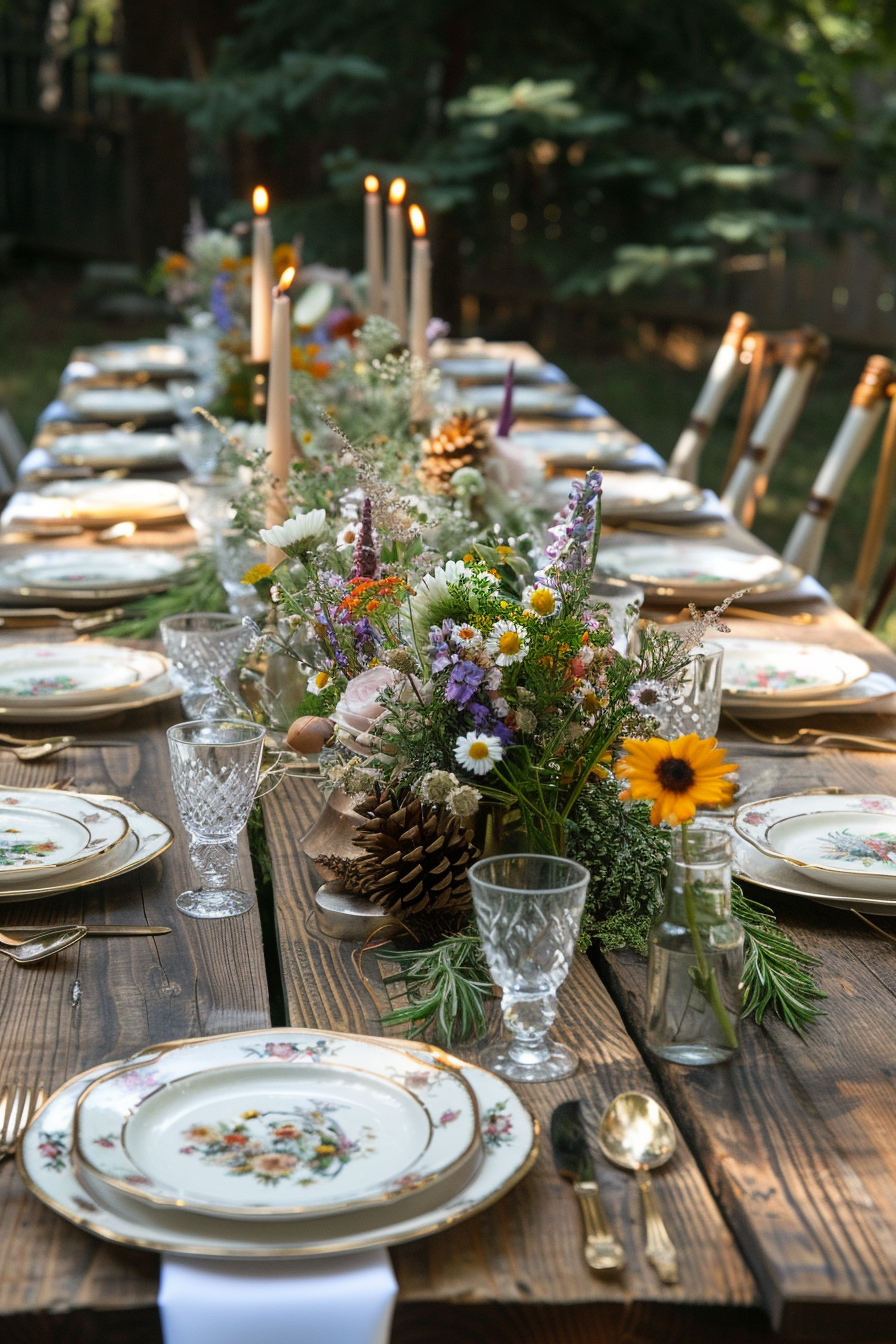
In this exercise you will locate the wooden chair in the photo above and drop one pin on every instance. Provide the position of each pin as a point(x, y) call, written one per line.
point(800, 354)
point(873, 540)
point(726, 368)
point(12, 450)
point(806, 542)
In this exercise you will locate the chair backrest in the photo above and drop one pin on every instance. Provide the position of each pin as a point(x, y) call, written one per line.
point(800, 353)
point(724, 372)
point(806, 542)
point(12, 449)
point(881, 499)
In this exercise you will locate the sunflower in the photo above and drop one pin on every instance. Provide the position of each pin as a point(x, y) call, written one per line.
point(677, 777)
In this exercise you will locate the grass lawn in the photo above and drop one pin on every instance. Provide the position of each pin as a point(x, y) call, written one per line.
point(41, 321)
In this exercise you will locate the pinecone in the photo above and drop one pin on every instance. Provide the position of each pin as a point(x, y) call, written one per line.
point(462, 441)
point(417, 855)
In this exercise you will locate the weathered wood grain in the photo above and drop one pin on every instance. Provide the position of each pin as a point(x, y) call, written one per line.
point(527, 1250)
point(797, 1137)
point(206, 976)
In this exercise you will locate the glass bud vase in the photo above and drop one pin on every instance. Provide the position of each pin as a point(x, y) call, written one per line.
point(696, 954)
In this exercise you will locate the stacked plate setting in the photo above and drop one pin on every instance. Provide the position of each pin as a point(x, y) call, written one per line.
point(685, 570)
point(53, 841)
point(283, 1142)
point(87, 574)
point(140, 450)
point(772, 678)
point(834, 848)
point(58, 683)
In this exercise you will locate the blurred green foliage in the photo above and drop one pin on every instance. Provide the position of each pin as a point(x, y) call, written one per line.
point(595, 146)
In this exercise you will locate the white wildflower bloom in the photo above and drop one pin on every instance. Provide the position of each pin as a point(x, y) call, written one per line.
point(298, 532)
point(540, 600)
point(508, 643)
point(345, 540)
point(466, 637)
point(318, 681)
point(478, 752)
point(433, 590)
point(501, 707)
point(437, 785)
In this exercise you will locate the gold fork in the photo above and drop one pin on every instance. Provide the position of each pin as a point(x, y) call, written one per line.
point(819, 735)
point(18, 1107)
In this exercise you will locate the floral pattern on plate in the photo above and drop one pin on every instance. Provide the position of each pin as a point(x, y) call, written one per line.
point(18, 853)
point(117, 1218)
point(863, 849)
point(301, 1144)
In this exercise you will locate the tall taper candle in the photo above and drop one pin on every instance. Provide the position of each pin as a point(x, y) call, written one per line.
point(373, 243)
point(279, 429)
point(421, 273)
point(398, 270)
point(261, 278)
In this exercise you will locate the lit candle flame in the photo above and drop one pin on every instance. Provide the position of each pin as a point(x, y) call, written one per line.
point(397, 191)
point(418, 221)
point(286, 279)
point(260, 201)
point(371, 183)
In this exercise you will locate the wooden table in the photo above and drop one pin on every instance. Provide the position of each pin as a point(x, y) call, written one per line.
point(781, 1199)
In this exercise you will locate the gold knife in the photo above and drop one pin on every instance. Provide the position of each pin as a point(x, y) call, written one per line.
point(99, 930)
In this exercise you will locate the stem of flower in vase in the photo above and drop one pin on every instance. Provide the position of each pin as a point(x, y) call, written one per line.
point(705, 977)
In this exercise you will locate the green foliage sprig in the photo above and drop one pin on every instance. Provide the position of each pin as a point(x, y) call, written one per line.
point(777, 972)
point(447, 986)
point(198, 589)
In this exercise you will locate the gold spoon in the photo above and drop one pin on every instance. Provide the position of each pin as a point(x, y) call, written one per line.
point(45, 944)
point(36, 751)
point(637, 1133)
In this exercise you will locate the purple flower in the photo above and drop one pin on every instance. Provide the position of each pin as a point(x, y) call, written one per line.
point(218, 304)
point(573, 530)
point(463, 682)
point(367, 637)
point(440, 654)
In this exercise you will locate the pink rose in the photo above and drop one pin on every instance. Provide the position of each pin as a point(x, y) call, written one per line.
point(360, 705)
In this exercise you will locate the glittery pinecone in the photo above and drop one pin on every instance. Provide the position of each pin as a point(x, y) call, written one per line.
point(417, 856)
point(462, 441)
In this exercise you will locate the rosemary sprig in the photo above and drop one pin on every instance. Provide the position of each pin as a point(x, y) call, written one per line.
point(777, 972)
point(446, 986)
point(199, 589)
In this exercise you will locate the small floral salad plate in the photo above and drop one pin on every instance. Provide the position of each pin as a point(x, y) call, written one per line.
point(303, 1125)
point(45, 832)
point(765, 669)
point(507, 1132)
point(73, 673)
point(845, 841)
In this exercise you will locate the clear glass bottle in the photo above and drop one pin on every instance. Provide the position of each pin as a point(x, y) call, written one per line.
point(696, 954)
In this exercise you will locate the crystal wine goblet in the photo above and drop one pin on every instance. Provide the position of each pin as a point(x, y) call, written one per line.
point(203, 647)
point(214, 769)
point(529, 908)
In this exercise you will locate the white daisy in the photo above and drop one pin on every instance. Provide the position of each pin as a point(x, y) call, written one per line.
point(508, 643)
point(478, 752)
point(297, 533)
point(319, 681)
point(345, 541)
point(466, 637)
point(540, 600)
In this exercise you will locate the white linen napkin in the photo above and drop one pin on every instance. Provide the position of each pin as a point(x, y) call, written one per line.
point(344, 1299)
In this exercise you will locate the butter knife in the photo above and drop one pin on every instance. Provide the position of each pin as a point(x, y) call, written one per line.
point(574, 1163)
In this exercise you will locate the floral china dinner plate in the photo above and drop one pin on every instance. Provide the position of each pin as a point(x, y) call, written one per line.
point(509, 1141)
point(577, 447)
point(146, 837)
point(115, 448)
point(45, 832)
point(846, 841)
point(139, 357)
point(39, 711)
point(752, 865)
point(647, 494)
point(76, 570)
point(72, 673)
point(684, 570)
point(781, 669)
point(119, 403)
point(301, 1125)
point(100, 502)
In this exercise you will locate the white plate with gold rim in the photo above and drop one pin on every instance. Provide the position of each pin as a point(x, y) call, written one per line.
point(39, 712)
point(119, 403)
point(146, 838)
point(845, 841)
point(156, 357)
point(687, 570)
point(509, 1138)
point(576, 448)
point(781, 669)
point(116, 448)
point(73, 674)
point(52, 832)
point(303, 1125)
point(751, 865)
point(94, 571)
point(98, 502)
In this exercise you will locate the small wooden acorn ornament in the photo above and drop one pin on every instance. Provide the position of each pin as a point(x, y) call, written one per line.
point(309, 734)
